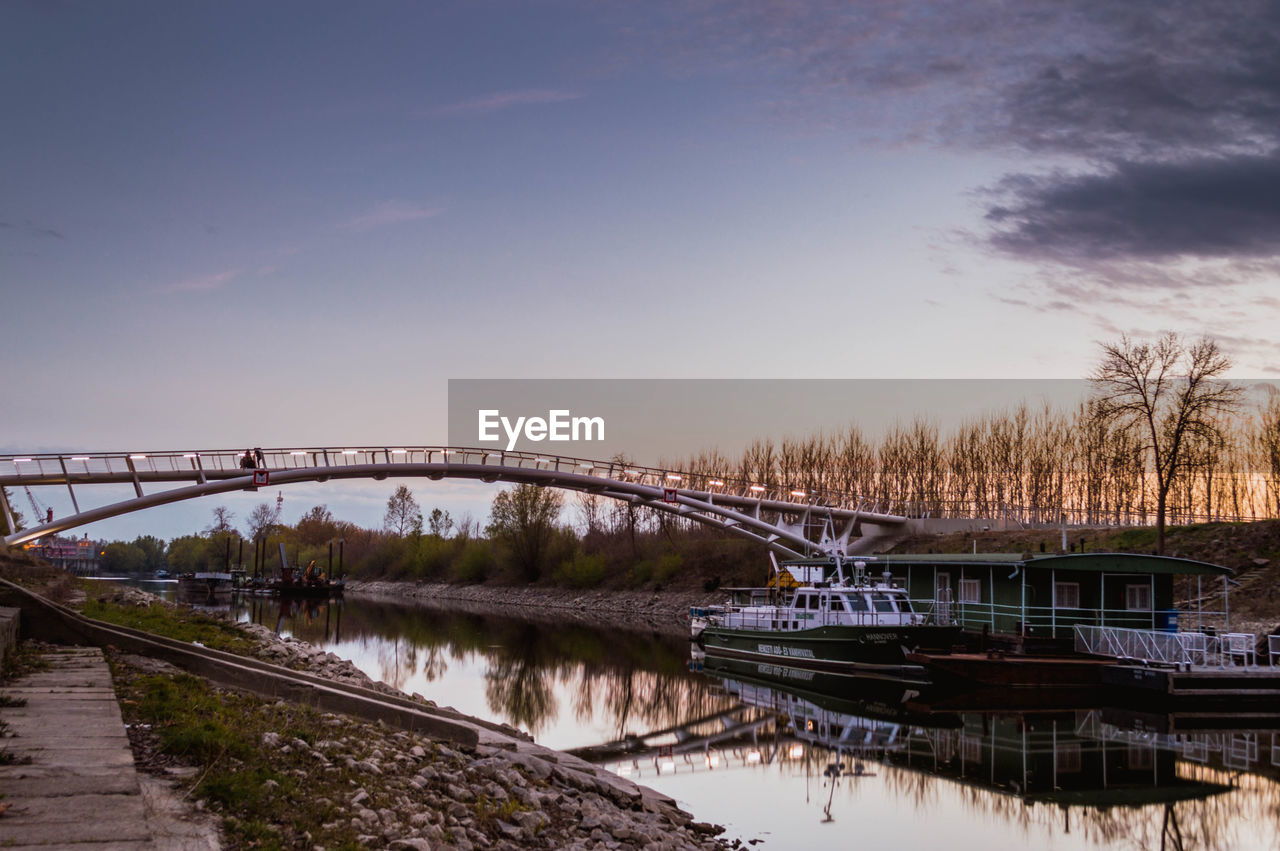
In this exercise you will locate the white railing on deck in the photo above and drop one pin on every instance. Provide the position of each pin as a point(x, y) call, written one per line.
point(1189, 649)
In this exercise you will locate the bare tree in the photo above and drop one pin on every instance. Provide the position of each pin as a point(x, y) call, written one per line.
point(221, 520)
point(1173, 393)
point(262, 520)
point(403, 514)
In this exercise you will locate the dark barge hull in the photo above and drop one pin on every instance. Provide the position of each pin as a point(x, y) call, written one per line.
point(870, 651)
point(998, 670)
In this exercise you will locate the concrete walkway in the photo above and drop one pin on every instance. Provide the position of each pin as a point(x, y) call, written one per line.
point(80, 788)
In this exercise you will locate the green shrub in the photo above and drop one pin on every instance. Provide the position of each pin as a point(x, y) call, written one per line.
point(642, 572)
point(474, 563)
point(582, 571)
point(434, 557)
point(668, 566)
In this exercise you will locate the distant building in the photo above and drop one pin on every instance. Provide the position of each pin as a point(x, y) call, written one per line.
point(75, 555)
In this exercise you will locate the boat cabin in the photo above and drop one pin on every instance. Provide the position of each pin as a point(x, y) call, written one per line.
point(826, 604)
point(1045, 596)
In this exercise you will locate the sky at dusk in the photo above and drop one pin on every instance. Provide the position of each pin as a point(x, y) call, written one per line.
point(290, 223)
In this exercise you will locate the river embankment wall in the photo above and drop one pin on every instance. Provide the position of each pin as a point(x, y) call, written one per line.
point(661, 611)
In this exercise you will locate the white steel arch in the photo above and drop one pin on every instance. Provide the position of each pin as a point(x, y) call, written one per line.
point(774, 515)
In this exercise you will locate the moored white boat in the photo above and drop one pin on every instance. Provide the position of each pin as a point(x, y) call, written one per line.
point(826, 622)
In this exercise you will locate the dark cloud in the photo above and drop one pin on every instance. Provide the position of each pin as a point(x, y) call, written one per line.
point(1169, 109)
point(1214, 207)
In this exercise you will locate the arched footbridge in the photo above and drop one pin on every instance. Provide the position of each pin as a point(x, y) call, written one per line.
point(791, 521)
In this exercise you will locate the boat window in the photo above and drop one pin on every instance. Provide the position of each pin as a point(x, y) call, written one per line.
point(883, 602)
point(813, 601)
point(858, 603)
point(904, 605)
point(837, 603)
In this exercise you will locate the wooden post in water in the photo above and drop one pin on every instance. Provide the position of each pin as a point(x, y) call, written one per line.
point(341, 571)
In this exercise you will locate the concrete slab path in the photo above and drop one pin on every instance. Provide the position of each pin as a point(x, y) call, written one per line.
point(80, 787)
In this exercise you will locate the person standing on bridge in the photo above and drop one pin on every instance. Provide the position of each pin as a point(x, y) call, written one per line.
point(246, 461)
point(258, 458)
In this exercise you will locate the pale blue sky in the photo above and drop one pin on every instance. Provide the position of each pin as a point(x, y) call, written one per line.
point(291, 223)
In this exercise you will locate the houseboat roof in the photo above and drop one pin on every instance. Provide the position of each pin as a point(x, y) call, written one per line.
point(1086, 562)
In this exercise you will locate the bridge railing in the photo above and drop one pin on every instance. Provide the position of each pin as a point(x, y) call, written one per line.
point(63, 468)
point(38, 469)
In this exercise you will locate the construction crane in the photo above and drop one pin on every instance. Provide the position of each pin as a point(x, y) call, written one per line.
point(40, 512)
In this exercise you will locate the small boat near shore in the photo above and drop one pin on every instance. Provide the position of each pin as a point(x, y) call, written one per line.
point(825, 622)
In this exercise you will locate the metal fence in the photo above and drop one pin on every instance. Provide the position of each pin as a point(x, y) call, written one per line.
point(1182, 649)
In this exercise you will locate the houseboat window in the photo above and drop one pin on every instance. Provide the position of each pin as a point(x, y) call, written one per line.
point(837, 603)
point(858, 603)
point(904, 604)
point(801, 601)
point(1137, 598)
point(883, 602)
point(814, 603)
point(1066, 595)
point(970, 591)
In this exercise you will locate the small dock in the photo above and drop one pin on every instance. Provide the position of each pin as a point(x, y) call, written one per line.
point(1197, 684)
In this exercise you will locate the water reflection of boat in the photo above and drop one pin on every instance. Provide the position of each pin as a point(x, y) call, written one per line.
point(860, 626)
point(841, 727)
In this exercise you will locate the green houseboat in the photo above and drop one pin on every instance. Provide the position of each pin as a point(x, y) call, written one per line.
point(1036, 600)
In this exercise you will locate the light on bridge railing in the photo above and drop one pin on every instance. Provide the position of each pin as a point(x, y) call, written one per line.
point(79, 457)
point(137, 457)
point(351, 452)
point(797, 493)
point(190, 455)
point(796, 751)
point(399, 452)
point(716, 483)
point(20, 460)
point(753, 757)
point(587, 466)
point(758, 488)
point(675, 477)
point(297, 452)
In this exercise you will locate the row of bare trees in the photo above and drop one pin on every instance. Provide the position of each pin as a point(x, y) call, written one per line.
point(1194, 453)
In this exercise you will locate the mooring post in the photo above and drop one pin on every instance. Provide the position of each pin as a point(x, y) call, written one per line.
point(342, 573)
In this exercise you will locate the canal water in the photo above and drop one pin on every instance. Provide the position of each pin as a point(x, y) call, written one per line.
point(804, 760)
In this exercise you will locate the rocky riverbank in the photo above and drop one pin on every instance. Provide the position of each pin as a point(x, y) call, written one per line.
point(661, 611)
point(380, 787)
